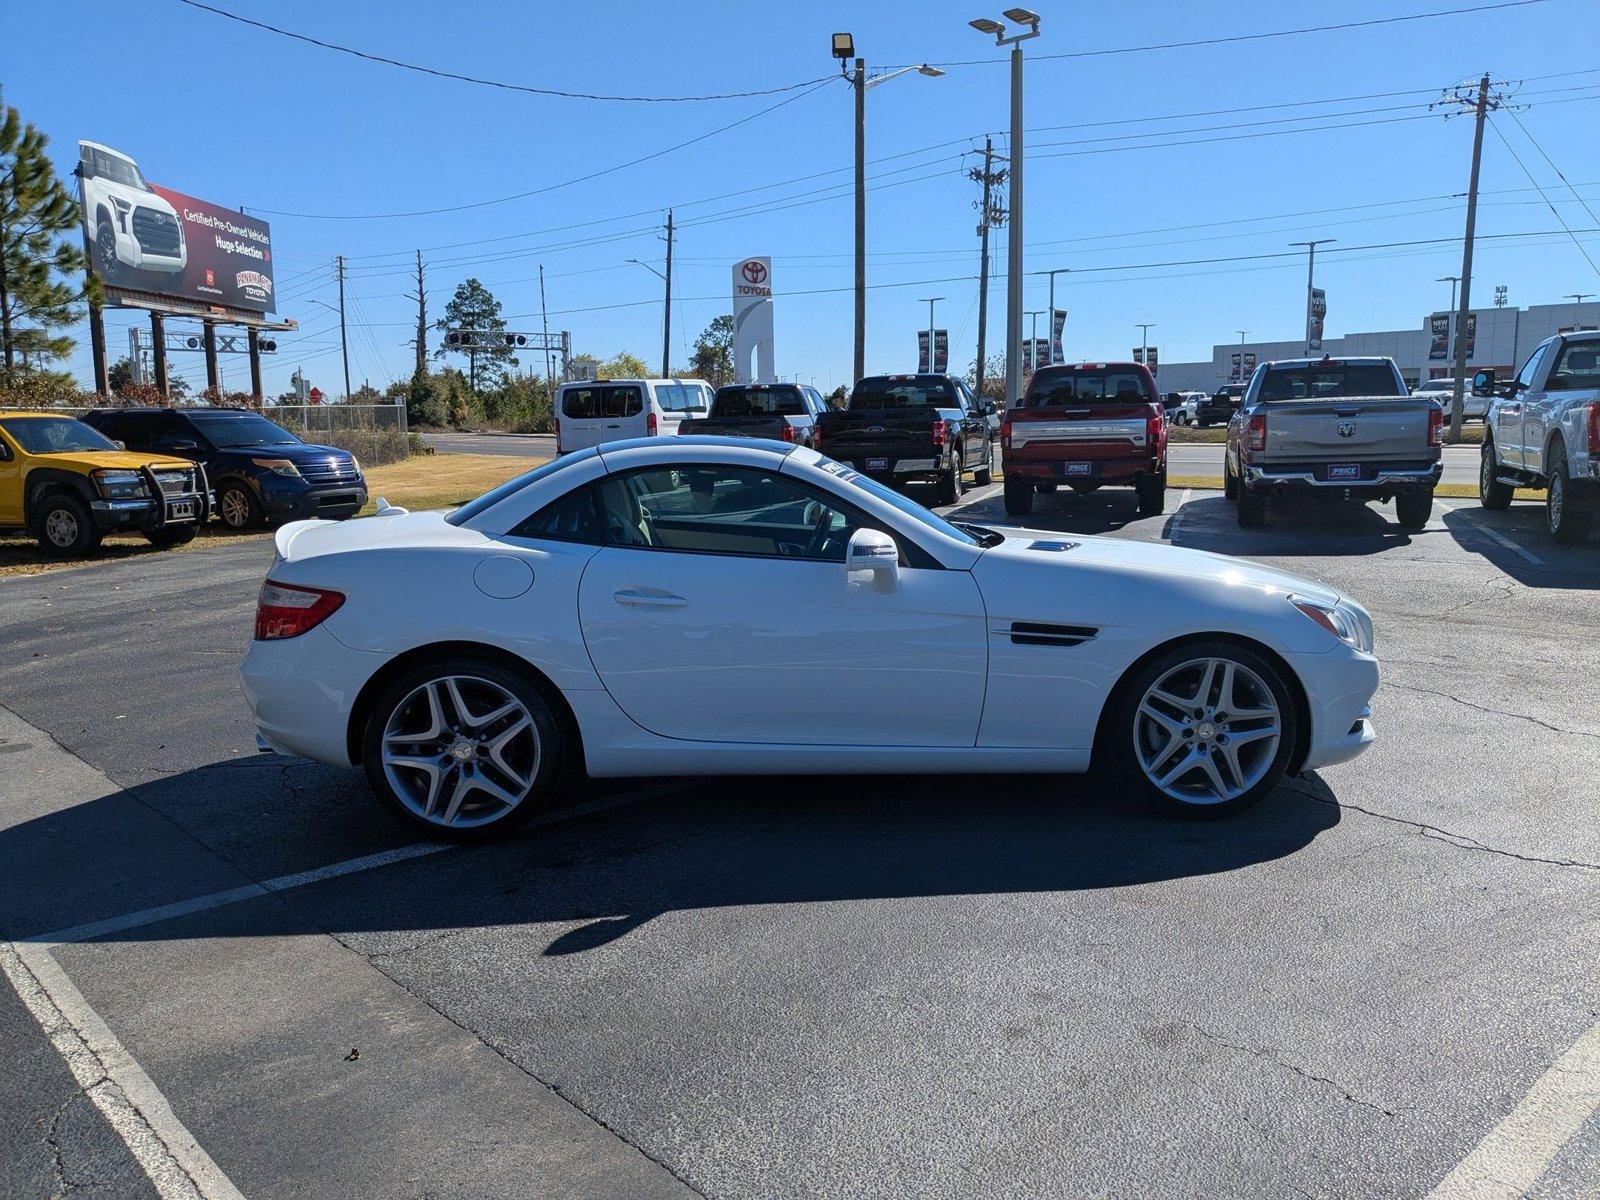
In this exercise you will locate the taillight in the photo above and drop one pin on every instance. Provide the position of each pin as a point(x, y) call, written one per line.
point(1005, 434)
point(650, 425)
point(285, 611)
point(1594, 428)
point(1436, 426)
point(816, 438)
point(1153, 425)
point(1255, 433)
point(788, 432)
point(938, 431)
point(558, 437)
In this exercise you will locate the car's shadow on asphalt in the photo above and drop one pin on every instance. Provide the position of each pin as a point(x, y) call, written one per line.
point(708, 844)
point(1294, 527)
point(1516, 542)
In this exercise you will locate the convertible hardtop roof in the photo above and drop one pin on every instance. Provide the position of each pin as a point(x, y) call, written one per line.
point(668, 444)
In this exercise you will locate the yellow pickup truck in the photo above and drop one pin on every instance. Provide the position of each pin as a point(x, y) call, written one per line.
point(69, 485)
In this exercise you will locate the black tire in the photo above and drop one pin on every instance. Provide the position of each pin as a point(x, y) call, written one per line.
point(1492, 493)
point(1230, 485)
point(105, 243)
point(1019, 497)
point(479, 678)
point(64, 527)
point(1252, 510)
point(983, 476)
point(950, 481)
point(1568, 516)
point(1413, 508)
point(1118, 746)
point(1152, 496)
point(1047, 488)
point(171, 535)
point(238, 508)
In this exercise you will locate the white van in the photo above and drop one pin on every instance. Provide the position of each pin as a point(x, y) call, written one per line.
point(612, 410)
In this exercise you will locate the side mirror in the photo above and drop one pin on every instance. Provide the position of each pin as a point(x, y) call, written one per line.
point(1483, 383)
point(875, 551)
point(120, 445)
point(988, 408)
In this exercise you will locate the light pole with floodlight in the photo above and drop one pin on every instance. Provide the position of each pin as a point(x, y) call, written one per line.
point(930, 301)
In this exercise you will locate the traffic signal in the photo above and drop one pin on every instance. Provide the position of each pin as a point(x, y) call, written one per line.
point(267, 346)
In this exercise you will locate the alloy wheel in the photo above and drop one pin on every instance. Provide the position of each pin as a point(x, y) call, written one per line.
point(1207, 731)
point(234, 508)
point(461, 751)
point(1555, 501)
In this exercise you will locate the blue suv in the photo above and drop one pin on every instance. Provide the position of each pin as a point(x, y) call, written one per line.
point(260, 471)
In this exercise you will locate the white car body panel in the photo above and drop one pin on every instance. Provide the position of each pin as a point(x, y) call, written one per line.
point(774, 665)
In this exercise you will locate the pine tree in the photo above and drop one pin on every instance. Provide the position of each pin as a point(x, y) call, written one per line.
point(474, 309)
point(38, 218)
point(713, 352)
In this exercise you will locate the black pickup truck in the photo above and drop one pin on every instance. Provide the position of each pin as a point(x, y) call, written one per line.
point(1219, 407)
point(898, 428)
point(781, 412)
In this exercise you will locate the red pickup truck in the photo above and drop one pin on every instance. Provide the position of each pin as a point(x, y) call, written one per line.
point(1087, 426)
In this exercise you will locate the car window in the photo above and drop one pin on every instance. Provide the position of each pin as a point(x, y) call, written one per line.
point(715, 509)
point(233, 430)
point(1053, 388)
point(511, 486)
point(580, 403)
point(903, 391)
point(55, 435)
point(575, 517)
point(621, 401)
point(1530, 369)
point(1577, 368)
point(759, 400)
point(1329, 381)
point(680, 397)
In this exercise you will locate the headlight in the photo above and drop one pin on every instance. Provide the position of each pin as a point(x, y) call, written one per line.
point(356, 463)
point(121, 485)
point(1337, 620)
point(278, 466)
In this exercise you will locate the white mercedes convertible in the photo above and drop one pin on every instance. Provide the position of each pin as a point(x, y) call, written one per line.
point(696, 606)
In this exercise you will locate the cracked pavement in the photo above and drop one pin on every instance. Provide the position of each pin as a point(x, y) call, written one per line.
point(875, 988)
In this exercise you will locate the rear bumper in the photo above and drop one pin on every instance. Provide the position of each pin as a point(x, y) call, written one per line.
point(1071, 470)
point(301, 692)
point(1376, 480)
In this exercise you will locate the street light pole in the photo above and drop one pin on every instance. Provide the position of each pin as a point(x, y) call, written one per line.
point(1450, 334)
point(1014, 242)
point(1579, 297)
point(1144, 340)
point(1311, 270)
point(1053, 274)
point(1033, 338)
point(930, 301)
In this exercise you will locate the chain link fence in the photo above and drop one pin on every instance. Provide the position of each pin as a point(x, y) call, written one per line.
point(374, 433)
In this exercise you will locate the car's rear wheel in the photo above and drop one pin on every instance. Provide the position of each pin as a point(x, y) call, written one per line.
point(1230, 485)
point(463, 749)
point(983, 474)
point(171, 535)
point(1206, 728)
point(238, 508)
point(1568, 518)
point(950, 481)
point(1491, 492)
point(1252, 509)
point(64, 527)
point(1152, 496)
point(1019, 497)
point(1413, 508)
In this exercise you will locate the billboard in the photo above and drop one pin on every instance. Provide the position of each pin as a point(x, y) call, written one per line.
point(941, 352)
point(1438, 337)
point(1058, 322)
point(144, 238)
point(1318, 314)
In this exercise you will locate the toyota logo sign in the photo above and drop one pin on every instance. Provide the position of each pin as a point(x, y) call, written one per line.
point(754, 271)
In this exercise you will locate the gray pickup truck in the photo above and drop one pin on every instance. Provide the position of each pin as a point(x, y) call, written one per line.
point(1335, 429)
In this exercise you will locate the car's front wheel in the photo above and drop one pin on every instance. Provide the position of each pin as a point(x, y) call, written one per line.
point(1492, 493)
point(462, 749)
point(1203, 727)
point(64, 527)
point(238, 508)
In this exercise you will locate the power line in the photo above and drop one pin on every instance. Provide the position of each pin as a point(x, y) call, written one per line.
point(493, 83)
point(1582, 249)
point(1513, 114)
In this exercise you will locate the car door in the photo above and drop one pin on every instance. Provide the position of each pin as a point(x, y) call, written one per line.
point(623, 412)
point(581, 424)
point(720, 610)
point(1508, 412)
point(1572, 384)
point(11, 470)
point(1536, 405)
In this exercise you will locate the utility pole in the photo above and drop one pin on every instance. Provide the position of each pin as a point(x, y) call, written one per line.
point(422, 320)
point(860, 84)
point(344, 345)
point(1311, 271)
point(544, 326)
point(987, 216)
point(666, 320)
point(1481, 105)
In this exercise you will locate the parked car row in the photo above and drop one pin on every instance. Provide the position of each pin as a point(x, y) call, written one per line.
point(163, 472)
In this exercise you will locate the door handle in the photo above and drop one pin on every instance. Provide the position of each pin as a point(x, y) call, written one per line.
point(632, 598)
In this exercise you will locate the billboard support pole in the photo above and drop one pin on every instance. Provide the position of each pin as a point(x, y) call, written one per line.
point(213, 375)
point(255, 366)
point(97, 342)
point(158, 350)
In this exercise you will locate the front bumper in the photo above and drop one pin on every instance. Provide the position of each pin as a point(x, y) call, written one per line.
point(146, 514)
point(1339, 687)
point(1375, 480)
point(286, 499)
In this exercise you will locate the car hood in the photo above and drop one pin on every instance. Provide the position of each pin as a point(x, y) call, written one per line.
point(94, 460)
point(300, 540)
point(295, 452)
point(1154, 560)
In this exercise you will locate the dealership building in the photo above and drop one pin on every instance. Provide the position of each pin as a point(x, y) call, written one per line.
point(1503, 338)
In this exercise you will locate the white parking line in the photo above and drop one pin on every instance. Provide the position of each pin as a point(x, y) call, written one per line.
point(1496, 536)
point(1177, 517)
point(166, 1152)
point(1519, 1150)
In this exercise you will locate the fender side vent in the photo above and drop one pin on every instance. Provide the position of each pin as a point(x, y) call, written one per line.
point(1036, 633)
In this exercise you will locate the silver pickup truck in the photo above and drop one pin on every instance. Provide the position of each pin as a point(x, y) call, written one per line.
point(1336, 429)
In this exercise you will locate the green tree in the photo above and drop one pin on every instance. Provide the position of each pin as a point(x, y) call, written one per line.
point(713, 352)
point(839, 397)
point(994, 379)
point(120, 373)
point(623, 366)
point(473, 308)
point(38, 218)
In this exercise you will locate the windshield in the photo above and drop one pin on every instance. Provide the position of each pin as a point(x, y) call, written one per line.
point(905, 504)
point(511, 486)
point(231, 430)
point(55, 435)
point(904, 391)
point(1051, 388)
point(758, 402)
point(116, 169)
point(1330, 381)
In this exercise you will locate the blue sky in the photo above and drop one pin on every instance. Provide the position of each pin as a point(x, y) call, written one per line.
point(247, 118)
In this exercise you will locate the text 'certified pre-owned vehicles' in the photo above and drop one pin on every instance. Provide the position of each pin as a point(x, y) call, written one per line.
point(1088, 425)
point(69, 485)
point(258, 469)
point(1335, 429)
point(781, 412)
point(1544, 432)
point(1219, 407)
point(899, 428)
point(696, 606)
point(613, 410)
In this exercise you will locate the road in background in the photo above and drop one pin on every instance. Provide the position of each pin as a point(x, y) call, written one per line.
point(863, 987)
point(447, 442)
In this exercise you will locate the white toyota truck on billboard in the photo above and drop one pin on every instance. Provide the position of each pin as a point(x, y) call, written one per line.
point(130, 227)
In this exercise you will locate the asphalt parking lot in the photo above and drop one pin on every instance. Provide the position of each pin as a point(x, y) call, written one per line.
point(786, 988)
